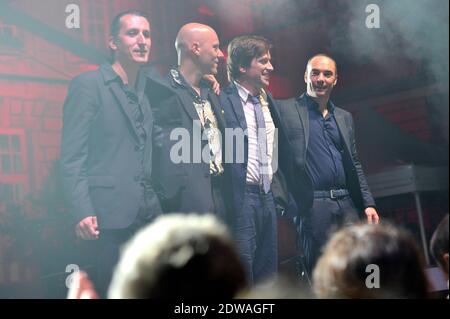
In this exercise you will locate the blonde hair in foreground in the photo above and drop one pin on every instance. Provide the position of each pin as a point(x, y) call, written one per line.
point(179, 255)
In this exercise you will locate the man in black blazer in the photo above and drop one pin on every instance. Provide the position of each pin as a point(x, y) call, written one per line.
point(107, 146)
point(187, 164)
point(320, 160)
point(253, 154)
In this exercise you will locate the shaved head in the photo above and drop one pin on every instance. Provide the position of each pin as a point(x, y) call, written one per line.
point(191, 33)
point(198, 45)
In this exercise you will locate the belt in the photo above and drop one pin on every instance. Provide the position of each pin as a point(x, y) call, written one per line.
point(332, 193)
point(254, 188)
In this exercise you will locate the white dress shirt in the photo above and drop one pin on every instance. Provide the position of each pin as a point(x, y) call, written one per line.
point(253, 158)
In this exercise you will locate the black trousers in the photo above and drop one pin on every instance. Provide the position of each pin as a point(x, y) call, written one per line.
point(107, 255)
point(325, 217)
point(218, 191)
point(111, 241)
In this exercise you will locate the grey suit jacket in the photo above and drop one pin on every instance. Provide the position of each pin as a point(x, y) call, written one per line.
point(104, 164)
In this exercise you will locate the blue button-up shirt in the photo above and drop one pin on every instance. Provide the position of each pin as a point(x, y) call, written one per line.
point(324, 161)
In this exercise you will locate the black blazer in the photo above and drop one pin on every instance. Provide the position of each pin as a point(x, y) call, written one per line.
point(102, 160)
point(235, 118)
point(182, 187)
point(294, 115)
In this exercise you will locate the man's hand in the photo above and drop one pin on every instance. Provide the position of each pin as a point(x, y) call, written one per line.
point(82, 287)
point(372, 215)
point(213, 81)
point(87, 228)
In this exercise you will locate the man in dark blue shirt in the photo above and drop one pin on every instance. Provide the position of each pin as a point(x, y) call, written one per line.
point(320, 160)
point(324, 154)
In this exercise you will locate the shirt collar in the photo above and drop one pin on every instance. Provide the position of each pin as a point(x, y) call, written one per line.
point(312, 105)
point(180, 80)
point(108, 73)
point(244, 94)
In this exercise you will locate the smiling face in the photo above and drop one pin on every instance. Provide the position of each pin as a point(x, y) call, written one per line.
point(320, 77)
point(209, 52)
point(257, 75)
point(132, 43)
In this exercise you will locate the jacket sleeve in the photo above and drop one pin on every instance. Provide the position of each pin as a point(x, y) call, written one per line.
point(285, 204)
point(367, 197)
point(79, 110)
point(284, 200)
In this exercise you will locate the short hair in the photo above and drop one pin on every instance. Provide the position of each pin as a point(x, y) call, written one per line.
point(179, 256)
point(242, 50)
point(115, 24)
point(341, 272)
point(439, 242)
point(325, 56)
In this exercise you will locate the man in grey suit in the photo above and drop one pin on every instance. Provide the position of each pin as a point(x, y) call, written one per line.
point(107, 146)
point(320, 160)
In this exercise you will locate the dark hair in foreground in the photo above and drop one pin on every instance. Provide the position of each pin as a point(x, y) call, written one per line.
point(342, 271)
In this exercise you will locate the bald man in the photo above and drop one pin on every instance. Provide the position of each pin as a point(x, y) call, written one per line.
point(323, 170)
point(188, 166)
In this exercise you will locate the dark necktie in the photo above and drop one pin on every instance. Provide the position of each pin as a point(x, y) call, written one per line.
point(262, 145)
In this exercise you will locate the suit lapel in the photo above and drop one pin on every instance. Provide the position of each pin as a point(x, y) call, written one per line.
point(122, 100)
point(140, 92)
point(339, 116)
point(186, 102)
point(174, 87)
point(140, 86)
point(274, 112)
point(174, 78)
point(215, 105)
point(235, 101)
point(302, 110)
point(110, 77)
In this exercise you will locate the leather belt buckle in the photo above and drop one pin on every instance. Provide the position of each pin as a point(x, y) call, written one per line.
point(332, 196)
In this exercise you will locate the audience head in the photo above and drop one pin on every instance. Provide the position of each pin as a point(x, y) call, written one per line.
point(370, 261)
point(179, 256)
point(439, 245)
